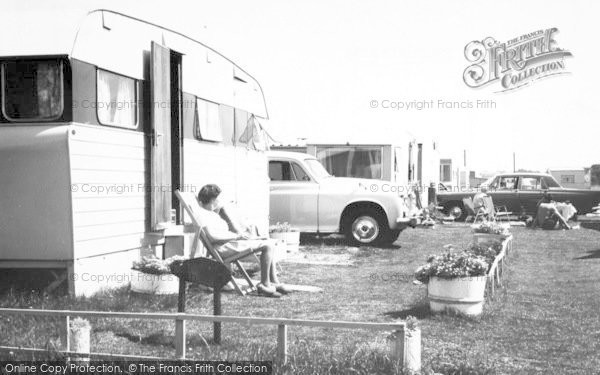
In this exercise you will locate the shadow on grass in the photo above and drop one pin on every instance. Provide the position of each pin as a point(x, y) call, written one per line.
point(165, 340)
point(27, 280)
point(594, 254)
point(419, 311)
point(338, 240)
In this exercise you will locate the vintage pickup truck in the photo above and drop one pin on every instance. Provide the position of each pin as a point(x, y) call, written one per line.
point(520, 193)
point(305, 195)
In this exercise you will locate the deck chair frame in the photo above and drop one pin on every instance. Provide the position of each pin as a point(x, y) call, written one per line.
point(191, 206)
point(470, 207)
point(496, 213)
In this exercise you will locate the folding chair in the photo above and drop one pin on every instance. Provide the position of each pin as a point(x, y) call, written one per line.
point(496, 213)
point(191, 206)
point(471, 212)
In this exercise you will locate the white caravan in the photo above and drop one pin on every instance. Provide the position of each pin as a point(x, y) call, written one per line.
point(95, 138)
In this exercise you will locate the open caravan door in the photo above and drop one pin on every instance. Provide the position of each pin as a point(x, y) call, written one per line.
point(160, 173)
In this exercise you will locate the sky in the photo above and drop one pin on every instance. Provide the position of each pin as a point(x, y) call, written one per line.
point(329, 69)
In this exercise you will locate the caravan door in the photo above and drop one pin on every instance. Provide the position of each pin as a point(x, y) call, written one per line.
point(160, 172)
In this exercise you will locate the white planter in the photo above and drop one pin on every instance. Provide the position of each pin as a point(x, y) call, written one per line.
point(462, 295)
point(291, 239)
point(487, 237)
point(154, 284)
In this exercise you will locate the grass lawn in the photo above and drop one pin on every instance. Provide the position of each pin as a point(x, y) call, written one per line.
point(544, 320)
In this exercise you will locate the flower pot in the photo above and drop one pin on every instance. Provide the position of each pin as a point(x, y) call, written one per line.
point(291, 239)
point(154, 284)
point(462, 295)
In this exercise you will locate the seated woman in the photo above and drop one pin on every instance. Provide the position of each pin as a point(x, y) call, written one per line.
point(228, 243)
point(547, 214)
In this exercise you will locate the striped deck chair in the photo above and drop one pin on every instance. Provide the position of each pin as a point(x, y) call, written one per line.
point(191, 206)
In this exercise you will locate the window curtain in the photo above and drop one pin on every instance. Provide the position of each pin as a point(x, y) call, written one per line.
point(106, 113)
point(48, 89)
point(209, 124)
point(254, 135)
point(125, 103)
point(117, 100)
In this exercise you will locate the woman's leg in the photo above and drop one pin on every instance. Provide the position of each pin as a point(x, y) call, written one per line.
point(266, 262)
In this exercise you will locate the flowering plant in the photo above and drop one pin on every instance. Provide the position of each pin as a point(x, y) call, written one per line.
point(452, 264)
point(490, 227)
point(281, 227)
point(155, 266)
point(487, 251)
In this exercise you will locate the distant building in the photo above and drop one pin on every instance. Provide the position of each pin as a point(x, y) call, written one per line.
point(291, 147)
point(398, 157)
point(476, 181)
point(572, 178)
point(454, 170)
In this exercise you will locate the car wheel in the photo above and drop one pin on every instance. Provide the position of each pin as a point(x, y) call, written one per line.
point(457, 211)
point(366, 228)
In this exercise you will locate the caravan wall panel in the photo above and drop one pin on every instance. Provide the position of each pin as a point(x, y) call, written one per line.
point(109, 183)
point(35, 219)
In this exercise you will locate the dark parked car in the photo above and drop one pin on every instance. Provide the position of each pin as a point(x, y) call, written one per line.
point(520, 193)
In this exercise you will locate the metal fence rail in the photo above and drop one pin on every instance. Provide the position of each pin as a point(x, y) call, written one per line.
point(397, 354)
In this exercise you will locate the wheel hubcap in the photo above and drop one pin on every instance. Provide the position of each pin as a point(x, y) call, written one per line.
point(456, 212)
point(365, 229)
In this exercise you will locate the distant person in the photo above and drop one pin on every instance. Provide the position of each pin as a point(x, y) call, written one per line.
point(547, 215)
point(228, 243)
point(479, 200)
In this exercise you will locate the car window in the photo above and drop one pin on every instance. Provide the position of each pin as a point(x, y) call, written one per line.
point(280, 171)
point(492, 184)
point(549, 182)
point(507, 183)
point(317, 169)
point(530, 183)
point(299, 173)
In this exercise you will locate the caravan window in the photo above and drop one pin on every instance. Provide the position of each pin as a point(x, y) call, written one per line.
point(354, 161)
point(117, 100)
point(32, 90)
point(208, 122)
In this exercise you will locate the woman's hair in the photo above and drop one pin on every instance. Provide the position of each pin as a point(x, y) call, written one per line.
point(208, 193)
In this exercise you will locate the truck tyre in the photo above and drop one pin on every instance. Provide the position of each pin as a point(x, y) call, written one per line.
point(366, 227)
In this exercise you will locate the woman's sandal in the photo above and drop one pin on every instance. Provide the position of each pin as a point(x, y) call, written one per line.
point(281, 288)
point(267, 292)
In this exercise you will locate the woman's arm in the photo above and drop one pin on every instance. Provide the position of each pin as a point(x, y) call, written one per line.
point(233, 225)
point(222, 236)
